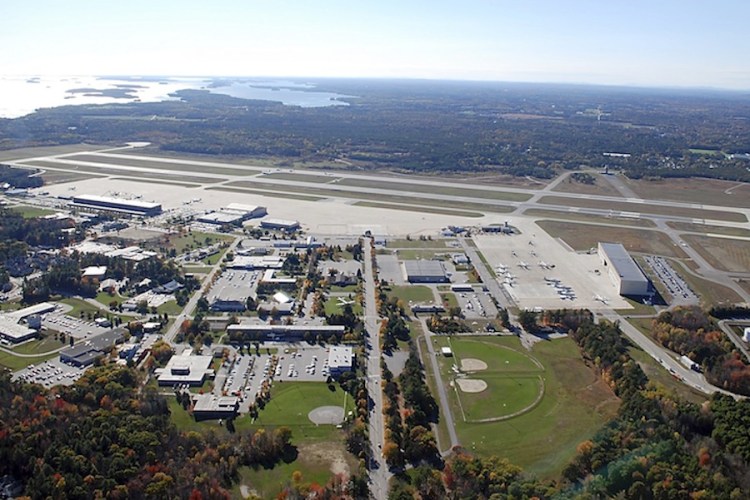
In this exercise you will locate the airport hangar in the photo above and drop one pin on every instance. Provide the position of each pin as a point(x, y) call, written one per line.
point(134, 207)
point(425, 271)
point(622, 269)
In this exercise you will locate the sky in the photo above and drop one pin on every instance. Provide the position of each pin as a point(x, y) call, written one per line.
point(672, 43)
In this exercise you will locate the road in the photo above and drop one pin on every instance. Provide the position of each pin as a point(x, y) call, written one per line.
point(379, 473)
point(667, 359)
point(187, 311)
point(445, 409)
point(736, 340)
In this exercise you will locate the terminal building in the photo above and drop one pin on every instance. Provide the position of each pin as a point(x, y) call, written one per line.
point(135, 207)
point(425, 271)
point(626, 275)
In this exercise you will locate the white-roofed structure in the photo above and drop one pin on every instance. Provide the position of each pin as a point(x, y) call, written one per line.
point(622, 269)
point(340, 359)
point(136, 207)
point(185, 369)
point(210, 406)
point(284, 225)
point(256, 262)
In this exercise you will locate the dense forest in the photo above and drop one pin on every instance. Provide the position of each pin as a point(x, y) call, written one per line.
point(433, 127)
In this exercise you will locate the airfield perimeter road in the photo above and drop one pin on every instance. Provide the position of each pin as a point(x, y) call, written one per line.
point(379, 473)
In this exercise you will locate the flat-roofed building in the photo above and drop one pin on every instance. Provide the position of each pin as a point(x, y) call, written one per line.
point(11, 329)
point(135, 207)
point(340, 360)
point(210, 406)
point(284, 332)
point(185, 369)
point(251, 262)
point(247, 211)
point(425, 271)
point(221, 218)
point(626, 275)
point(284, 225)
point(86, 352)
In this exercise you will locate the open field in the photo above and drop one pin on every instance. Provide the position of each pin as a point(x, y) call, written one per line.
point(579, 217)
point(708, 291)
point(343, 193)
point(601, 187)
point(417, 243)
point(17, 154)
point(412, 293)
point(81, 306)
point(442, 436)
point(702, 191)
point(645, 208)
point(126, 161)
point(585, 236)
point(442, 190)
point(42, 346)
point(300, 177)
point(115, 171)
point(574, 406)
point(14, 363)
point(418, 208)
point(334, 306)
point(272, 194)
point(186, 241)
point(59, 177)
point(28, 212)
point(709, 228)
point(722, 253)
point(414, 254)
point(152, 181)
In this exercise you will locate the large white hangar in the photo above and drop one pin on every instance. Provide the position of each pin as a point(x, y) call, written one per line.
point(136, 207)
point(622, 269)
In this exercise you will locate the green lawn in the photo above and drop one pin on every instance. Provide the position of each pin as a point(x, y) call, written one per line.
point(418, 253)
point(343, 289)
point(333, 306)
point(449, 299)
point(417, 243)
point(543, 440)
point(505, 395)
point(83, 306)
point(188, 241)
point(14, 363)
point(41, 346)
point(28, 212)
point(170, 307)
point(413, 293)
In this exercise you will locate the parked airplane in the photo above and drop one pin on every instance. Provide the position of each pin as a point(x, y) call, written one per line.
point(523, 265)
point(601, 299)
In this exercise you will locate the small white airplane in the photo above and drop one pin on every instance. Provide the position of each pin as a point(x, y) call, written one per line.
point(544, 265)
point(601, 299)
point(523, 265)
point(551, 280)
point(344, 302)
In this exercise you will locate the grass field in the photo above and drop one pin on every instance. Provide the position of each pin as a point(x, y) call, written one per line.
point(334, 306)
point(342, 192)
point(417, 253)
point(660, 377)
point(111, 171)
point(417, 208)
point(449, 299)
point(645, 208)
point(601, 187)
point(412, 293)
point(574, 406)
point(20, 153)
point(124, 160)
point(14, 363)
point(417, 243)
point(80, 306)
point(702, 191)
point(28, 212)
point(41, 347)
point(584, 236)
point(722, 253)
point(152, 181)
point(708, 228)
point(708, 291)
point(577, 216)
point(317, 179)
point(441, 190)
point(186, 241)
point(270, 194)
point(58, 177)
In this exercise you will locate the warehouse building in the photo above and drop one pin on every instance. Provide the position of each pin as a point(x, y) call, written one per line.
point(251, 262)
point(283, 225)
point(626, 275)
point(135, 207)
point(425, 271)
point(85, 353)
point(12, 331)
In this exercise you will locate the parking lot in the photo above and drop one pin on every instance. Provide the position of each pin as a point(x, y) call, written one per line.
point(476, 305)
point(50, 373)
point(245, 376)
point(675, 285)
point(77, 328)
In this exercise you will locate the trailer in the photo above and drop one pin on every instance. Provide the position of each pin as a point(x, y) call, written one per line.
point(689, 363)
